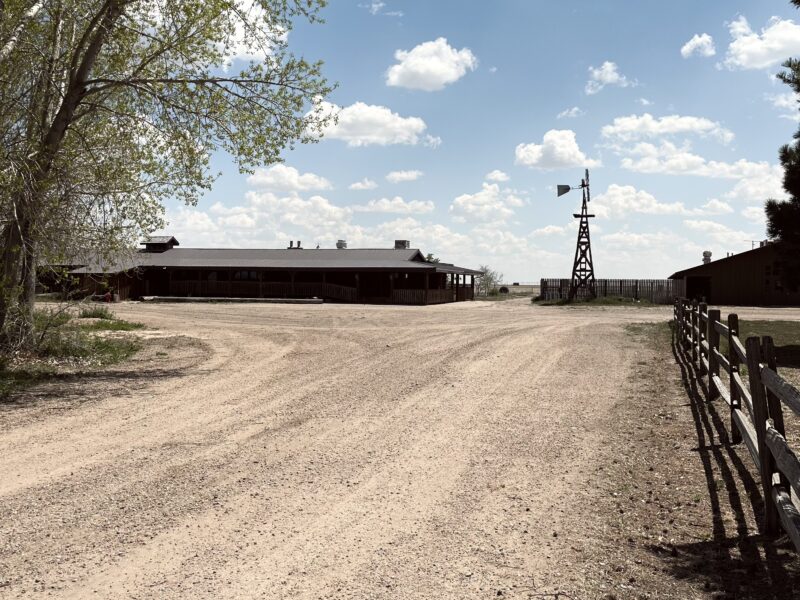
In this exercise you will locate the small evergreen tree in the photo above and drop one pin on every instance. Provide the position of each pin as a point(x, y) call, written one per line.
point(783, 217)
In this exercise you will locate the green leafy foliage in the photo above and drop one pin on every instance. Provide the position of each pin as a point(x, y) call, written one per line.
point(107, 109)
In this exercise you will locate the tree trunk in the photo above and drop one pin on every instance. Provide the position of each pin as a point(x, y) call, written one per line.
point(27, 299)
point(9, 271)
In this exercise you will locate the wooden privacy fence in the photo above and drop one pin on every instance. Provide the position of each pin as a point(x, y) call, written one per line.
point(755, 407)
point(657, 291)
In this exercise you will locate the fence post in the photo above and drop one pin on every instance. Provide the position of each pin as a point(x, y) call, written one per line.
point(773, 402)
point(733, 359)
point(687, 323)
point(687, 318)
point(760, 416)
point(701, 336)
point(695, 325)
point(713, 344)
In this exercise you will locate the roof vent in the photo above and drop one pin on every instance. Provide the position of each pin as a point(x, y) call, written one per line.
point(402, 244)
point(159, 243)
point(706, 257)
point(341, 244)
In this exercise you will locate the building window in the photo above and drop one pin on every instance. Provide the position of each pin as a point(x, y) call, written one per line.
point(245, 276)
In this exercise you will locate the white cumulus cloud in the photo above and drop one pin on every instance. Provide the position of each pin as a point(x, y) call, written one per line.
point(549, 230)
point(363, 124)
point(490, 204)
point(787, 105)
point(755, 179)
point(776, 42)
point(396, 205)
point(399, 176)
point(496, 175)
point(558, 150)
point(647, 126)
point(621, 200)
point(605, 75)
point(571, 113)
point(430, 66)
point(755, 214)
point(283, 178)
point(701, 44)
point(719, 233)
point(364, 184)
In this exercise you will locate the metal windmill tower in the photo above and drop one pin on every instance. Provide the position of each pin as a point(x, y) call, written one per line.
point(582, 267)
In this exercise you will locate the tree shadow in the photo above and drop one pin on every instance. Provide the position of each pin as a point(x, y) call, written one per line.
point(788, 356)
point(740, 564)
point(71, 388)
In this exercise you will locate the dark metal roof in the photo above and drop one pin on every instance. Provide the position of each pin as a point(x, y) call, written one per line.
point(285, 259)
point(729, 260)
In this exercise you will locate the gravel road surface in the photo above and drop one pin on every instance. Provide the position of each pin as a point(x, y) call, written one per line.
point(325, 451)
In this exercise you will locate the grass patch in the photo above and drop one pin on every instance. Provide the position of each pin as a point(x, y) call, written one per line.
point(783, 333)
point(115, 325)
point(96, 312)
point(600, 301)
point(494, 298)
point(62, 345)
point(658, 334)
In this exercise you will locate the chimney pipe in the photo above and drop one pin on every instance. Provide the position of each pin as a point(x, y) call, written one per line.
point(298, 244)
point(291, 244)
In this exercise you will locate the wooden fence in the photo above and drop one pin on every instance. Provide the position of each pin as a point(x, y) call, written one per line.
point(755, 408)
point(657, 291)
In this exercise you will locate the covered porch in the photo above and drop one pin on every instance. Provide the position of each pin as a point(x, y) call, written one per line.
point(422, 285)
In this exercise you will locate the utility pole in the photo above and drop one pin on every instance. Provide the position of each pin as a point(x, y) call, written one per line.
point(582, 266)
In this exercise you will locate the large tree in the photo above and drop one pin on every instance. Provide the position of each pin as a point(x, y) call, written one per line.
point(109, 107)
point(783, 217)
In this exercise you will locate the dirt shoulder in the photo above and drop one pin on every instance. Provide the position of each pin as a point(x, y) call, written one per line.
point(676, 502)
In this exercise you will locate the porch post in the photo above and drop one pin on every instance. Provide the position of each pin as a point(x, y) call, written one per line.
point(426, 288)
point(391, 287)
point(358, 288)
point(230, 283)
point(291, 287)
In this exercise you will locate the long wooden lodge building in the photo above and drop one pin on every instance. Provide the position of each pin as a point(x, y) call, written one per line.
point(398, 275)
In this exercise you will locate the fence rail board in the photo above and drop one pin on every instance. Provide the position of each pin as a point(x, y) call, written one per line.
point(699, 332)
point(785, 457)
point(782, 389)
point(748, 434)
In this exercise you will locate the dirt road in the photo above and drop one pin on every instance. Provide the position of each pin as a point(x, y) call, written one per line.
point(324, 451)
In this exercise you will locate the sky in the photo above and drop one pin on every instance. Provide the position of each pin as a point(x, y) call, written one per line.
point(457, 119)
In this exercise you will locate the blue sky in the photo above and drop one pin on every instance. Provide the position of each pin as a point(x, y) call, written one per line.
point(457, 119)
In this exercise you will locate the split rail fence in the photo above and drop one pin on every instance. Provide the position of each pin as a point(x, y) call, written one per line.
point(657, 291)
point(756, 407)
